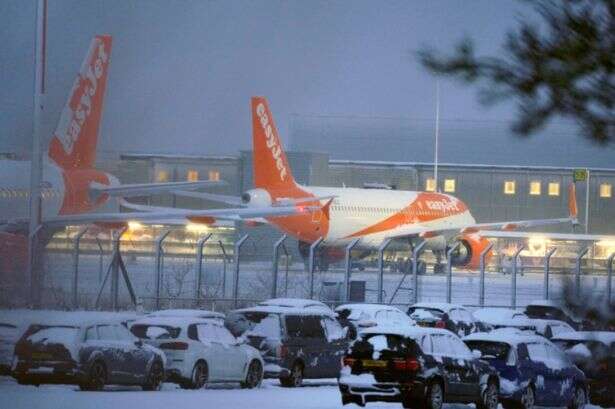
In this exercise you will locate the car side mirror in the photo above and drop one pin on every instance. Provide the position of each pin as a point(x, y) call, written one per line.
point(477, 354)
point(139, 343)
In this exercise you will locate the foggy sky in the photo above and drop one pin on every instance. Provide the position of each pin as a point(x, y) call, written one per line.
point(182, 72)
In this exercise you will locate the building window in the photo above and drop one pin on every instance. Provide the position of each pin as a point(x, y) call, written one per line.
point(509, 187)
point(606, 190)
point(430, 185)
point(214, 175)
point(162, 176)
point(192, 175)
point(535, 188)
point(553, 189)
point(449, 185)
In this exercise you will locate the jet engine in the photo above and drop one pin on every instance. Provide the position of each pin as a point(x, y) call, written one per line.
point(469, 251)
point(256, 198)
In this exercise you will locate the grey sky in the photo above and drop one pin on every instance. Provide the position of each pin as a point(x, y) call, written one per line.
point(182, 71)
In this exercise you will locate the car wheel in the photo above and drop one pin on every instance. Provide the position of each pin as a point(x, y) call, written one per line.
point(199, 377)
point(154, 377)
point(295, 379)
point(490, 397)
point(435, 396)
point(528, 399)
point(96, 379)
point(579, 399)
point(254, 376)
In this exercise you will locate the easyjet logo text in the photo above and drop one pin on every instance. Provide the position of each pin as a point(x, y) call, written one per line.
point(272, 143)
point(442, 205)
point(79, 106)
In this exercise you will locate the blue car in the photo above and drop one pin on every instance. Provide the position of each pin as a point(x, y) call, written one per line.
point(532, 371)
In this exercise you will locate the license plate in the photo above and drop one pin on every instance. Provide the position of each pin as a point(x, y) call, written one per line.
point(368, 363)
point(40, 356)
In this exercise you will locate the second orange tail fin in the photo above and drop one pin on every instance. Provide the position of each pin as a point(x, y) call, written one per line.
point(73, 145)
point(572, 203)
point(271, 169)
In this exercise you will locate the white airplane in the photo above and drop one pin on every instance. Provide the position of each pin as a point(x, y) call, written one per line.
point(71, 186)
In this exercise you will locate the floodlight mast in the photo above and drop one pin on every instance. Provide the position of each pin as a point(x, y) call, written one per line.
point(36, 167)
point(437, 136)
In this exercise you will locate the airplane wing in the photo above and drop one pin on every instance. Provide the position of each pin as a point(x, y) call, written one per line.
point(146, 189)
point(197, 216)
point(237, 201)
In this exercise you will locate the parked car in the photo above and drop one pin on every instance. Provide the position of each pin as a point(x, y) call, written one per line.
point(419, 367)
point(201, 351)
point(9, 335)
point(295, 343)
point(452, 317)
point(357, 317)
point(89, 354)
point(296, 303)
point(532, 370)
point(552, 310)
point(551, 328)
point(495, 318)
point(594, 353)
point(187, 313)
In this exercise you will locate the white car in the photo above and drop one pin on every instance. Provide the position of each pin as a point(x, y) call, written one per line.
point(362, 316)
point(551, 328)
point(201, 351)
point(503, 318)
point(187, 313)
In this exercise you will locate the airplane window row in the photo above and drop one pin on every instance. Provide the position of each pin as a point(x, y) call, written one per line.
point(46, 193)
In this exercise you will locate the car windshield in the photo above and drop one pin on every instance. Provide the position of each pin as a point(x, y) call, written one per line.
point(424, 313)
point(153, 331)
point(255, 324)
point(52, 334)
point(490, 350)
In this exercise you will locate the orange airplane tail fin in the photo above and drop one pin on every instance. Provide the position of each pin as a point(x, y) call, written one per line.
point(572, 203)
point(270, 165)
point(73, 145)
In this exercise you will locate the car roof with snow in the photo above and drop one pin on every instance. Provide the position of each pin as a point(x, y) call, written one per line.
point(181, 322)
point(442, 306)
point(501, 316)
point(276, 309)
point(186, 313)
point(541, 324)
point(510, 336)
point(294, 303)
point(410, 332)
point(605, 337)
point(370, 308)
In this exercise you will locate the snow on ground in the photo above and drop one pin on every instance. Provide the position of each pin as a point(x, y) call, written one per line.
point(320, 394)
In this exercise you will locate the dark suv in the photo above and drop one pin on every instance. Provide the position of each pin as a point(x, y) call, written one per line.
point(295, 343)
point(419, 367)
point(89, 354)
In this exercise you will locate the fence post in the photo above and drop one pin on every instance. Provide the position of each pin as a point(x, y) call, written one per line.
point(311, 264)
point(415, 267)
point(199, 268)
point(276, 247)
point(483, 266)
point(577, 271)
point(115, 268)
point(348, 258)
point(449, 271)
point(609, 278)
point(381, 251)
point(158, 266)
point(236, 255)
point(101, 253)
point(224, 261)
point(76, 241)
point(548, 255)
point(513, 289)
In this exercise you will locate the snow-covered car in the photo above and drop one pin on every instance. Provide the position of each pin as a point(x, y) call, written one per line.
point(296, 303)
point(357, 317)
point(552, 310)
point(9, 335)
point(550, 328)
point(90, 354)
point(496, 318)
point(296, 343)
point(201, 351)
point(419, 367)
point(594, 353)
point(187, 313)
point(532, 370)
point(452, 317)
